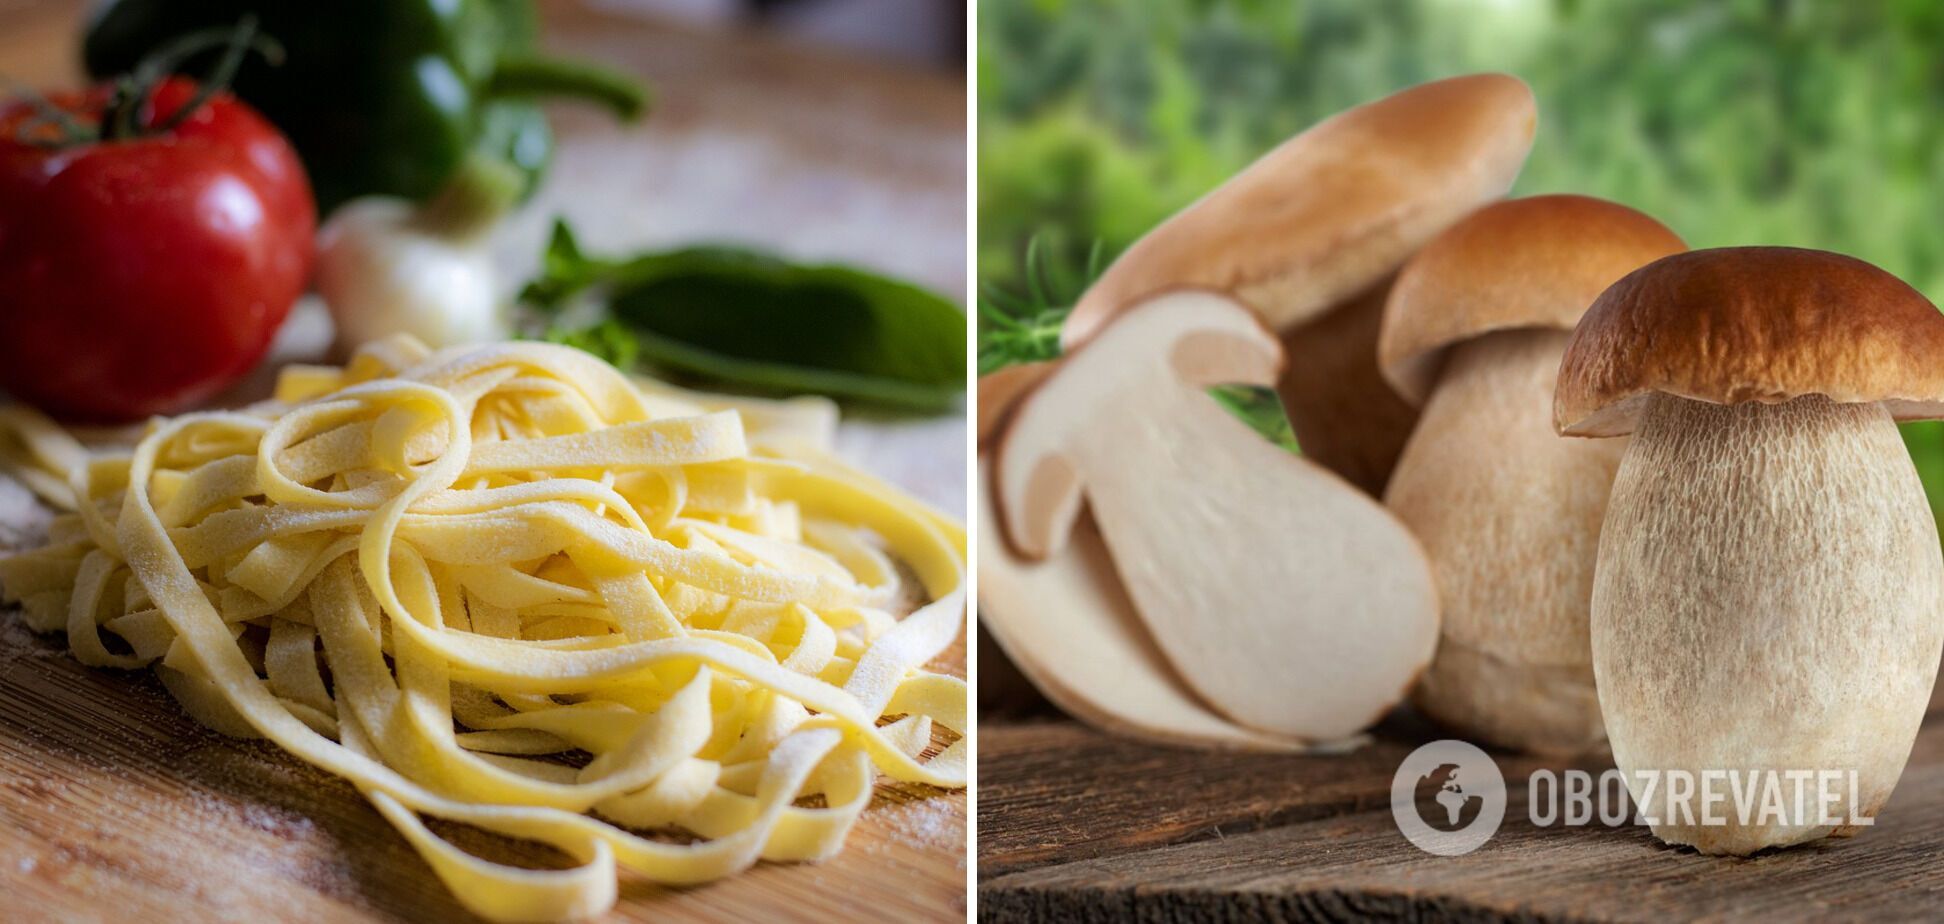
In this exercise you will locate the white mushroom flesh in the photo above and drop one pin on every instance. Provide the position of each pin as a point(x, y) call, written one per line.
point(1509, 514)
point(1769, 598)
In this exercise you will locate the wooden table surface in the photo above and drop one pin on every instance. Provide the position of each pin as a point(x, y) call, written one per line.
point(1078, 826)
point(113, 805)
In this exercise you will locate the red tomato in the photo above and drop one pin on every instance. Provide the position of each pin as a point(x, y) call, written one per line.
point(141, 276)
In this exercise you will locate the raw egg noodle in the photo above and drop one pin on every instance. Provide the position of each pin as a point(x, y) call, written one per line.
point(428, 574)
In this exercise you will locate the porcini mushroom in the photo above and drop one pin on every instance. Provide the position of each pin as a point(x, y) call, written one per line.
point(1310, 234)
point(1068, 626)
point(1508, 512)
point(1769, 594)
point(1288, 601)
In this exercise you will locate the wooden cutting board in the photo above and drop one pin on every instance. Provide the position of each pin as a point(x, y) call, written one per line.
point(114, 806)
point(1076, 825)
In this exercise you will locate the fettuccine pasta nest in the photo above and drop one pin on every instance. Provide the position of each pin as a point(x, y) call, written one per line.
point(442, 577)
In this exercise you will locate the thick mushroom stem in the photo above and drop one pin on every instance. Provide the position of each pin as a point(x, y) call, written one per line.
point(1345, 416)
point(1509, 515)
point(1151, 517)
point(1769, 598)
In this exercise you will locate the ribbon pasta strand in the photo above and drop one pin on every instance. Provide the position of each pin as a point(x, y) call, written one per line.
point(511, 588)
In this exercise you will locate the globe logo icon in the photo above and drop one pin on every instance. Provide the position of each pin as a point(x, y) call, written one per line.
point(1448, 797)
point(1442, 801)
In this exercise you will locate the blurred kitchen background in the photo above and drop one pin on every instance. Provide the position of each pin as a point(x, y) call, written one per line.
point(923, 31)
point(820, 130)
point(1794, 122)
point(927, 32)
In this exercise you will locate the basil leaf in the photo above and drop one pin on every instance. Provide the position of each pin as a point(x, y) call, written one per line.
point(741, 317)
point(564, 271)
point(669, 353)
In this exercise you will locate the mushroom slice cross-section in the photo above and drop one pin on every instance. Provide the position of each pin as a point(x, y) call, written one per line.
point(1769, 593)
point(1508, 512)
point(1286, 599)
point(1001, 390)
point(1068, 625)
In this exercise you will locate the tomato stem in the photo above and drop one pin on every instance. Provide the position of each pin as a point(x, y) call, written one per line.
point(242, 41)
point(45, 113)
point(118, 121)
point(130, 107)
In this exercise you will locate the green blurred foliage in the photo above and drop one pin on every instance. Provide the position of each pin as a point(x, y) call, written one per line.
point(1812, 123)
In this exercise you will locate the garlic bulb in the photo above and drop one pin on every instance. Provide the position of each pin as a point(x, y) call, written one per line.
point(389, 266)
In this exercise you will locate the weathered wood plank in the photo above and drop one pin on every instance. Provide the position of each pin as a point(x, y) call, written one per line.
point(112, 800)
point(1056, 791)
point(1347, 863)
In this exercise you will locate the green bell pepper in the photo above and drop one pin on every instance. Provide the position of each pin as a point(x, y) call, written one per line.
point(382, 97)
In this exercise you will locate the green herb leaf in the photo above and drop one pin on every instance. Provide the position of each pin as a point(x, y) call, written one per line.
point(1262, 409)
point(609, 340)
point(740, 317)
point(1025, 327)
point(564, 271)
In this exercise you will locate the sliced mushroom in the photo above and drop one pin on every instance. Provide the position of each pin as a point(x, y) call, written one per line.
point(1324, 219)
point(1508, 512)
point(1287, 600)
point(1769, 595)
point(1069, 627)
point(1001, 390)
point(1003, 686)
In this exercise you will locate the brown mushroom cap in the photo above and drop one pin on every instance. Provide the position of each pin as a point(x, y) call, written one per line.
point(1334, 209)
point(1521, 263)
point(1739, 324)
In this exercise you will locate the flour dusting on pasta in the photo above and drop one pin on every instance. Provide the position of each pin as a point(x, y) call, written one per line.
point(509, 587)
